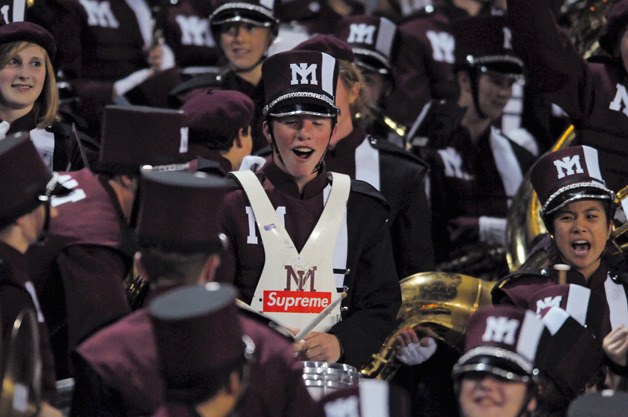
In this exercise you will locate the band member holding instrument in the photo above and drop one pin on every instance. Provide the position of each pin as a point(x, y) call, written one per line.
point(300, 234)
point(29, 100)
point(118, 371)
point(27, 187)
point(475, 169)
point(577, 208)
point(79, 272)
point(244, 30)
point(593, 93)
point(396, 173)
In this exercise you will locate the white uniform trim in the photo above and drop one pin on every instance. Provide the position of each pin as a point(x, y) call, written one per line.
point(506, 163)
point(374, 398)
point(617, 303)
point(44, 141)
point(367, 164)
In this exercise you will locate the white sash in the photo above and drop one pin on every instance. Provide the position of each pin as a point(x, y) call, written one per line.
point(506, 162)
point(367, 164)
point(617, 303)
point(295, 286)
point(44, 141)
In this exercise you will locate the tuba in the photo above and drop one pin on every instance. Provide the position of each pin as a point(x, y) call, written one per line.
point(438, 304)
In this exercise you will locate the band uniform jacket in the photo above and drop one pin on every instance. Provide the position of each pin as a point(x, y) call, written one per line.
point(593, 94)
point(402, 182)
point(374, 295)
point(465, 181)
point(80, 270)
point(14, 297)
point(117, 373)
point(424, 69)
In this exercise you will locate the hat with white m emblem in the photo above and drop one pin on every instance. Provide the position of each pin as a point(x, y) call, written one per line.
point(568, 175)
point(503, 341)
point(372, 40)
point(300, 82)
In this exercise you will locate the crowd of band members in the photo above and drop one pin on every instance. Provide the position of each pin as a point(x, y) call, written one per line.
point(435, 130)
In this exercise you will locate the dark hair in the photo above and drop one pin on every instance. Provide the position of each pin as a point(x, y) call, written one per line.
point(178, 267)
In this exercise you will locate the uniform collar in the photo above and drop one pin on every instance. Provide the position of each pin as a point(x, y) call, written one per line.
point(285, 183)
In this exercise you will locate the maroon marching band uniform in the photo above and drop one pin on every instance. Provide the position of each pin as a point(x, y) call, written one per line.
point(401, 177)
point(84, 262)
point(594, 95)
point(473, 187)
point(117, 373)
point(99, 46)
point(15, 296)
point(425, 65)
point(374, 294)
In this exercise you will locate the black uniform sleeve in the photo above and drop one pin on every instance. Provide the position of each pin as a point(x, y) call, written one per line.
point(374, 297)
point(92, 397)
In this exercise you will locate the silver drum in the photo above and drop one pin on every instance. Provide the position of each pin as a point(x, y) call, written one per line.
point(324, 377)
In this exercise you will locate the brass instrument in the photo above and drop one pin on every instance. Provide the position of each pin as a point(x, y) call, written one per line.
point(21, 383)
point(618, 243)
point(436, 303)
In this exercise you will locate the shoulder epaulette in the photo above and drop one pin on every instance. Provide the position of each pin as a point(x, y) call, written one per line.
point(364, 188)
point(619, 277)
point(511, 277)
point(387, 147)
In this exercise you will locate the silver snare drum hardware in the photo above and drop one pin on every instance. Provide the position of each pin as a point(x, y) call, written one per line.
point(323, 377)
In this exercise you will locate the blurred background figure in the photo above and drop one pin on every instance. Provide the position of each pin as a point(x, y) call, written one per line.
point(244, 31)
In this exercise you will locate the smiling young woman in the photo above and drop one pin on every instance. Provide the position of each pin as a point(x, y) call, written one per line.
point(29, 99)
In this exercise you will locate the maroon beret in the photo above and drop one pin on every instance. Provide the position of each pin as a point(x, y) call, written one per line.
point(328, 44)
point(300, 82)
point(23, 177)
point(179, 211)
point(133, 136)
point(28, 32)
point(614, 27)
point(372, 40)
point(370, 398)
point(569, 354)
point(568, 175)
point(484, 42)
point(197, 333)
point(502, 340)
point(215, 117)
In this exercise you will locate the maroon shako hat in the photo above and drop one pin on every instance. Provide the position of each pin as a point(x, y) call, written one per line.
point(483, 43)
point(328, 44)
point(371, 398)
point(28, 32)
point(179, 211)
point(300, 82)
point(25, 181)
point(213, 119)
point(503, 341)
point(568, 175)
point(199, 339)
point(254, 12)
point(570, 355)
point(372, 40)
point(133, 136)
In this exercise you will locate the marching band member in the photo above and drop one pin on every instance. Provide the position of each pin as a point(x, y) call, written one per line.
point(300, 234)
point(119, 370)
point(27, 186)
point(80, 270)
point(396, 173)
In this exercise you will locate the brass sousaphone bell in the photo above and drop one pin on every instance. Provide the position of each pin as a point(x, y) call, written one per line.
point(437, 304)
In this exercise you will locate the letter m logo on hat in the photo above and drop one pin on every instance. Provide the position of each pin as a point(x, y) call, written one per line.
point(568, 165)
point(361, 33)
point(500, 330)
point(303, 74)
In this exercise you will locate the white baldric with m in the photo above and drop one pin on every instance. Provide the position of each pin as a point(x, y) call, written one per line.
point(295, 286)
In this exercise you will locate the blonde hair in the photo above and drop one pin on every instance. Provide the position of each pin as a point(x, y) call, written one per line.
point(47, 104)
point(351, 75)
